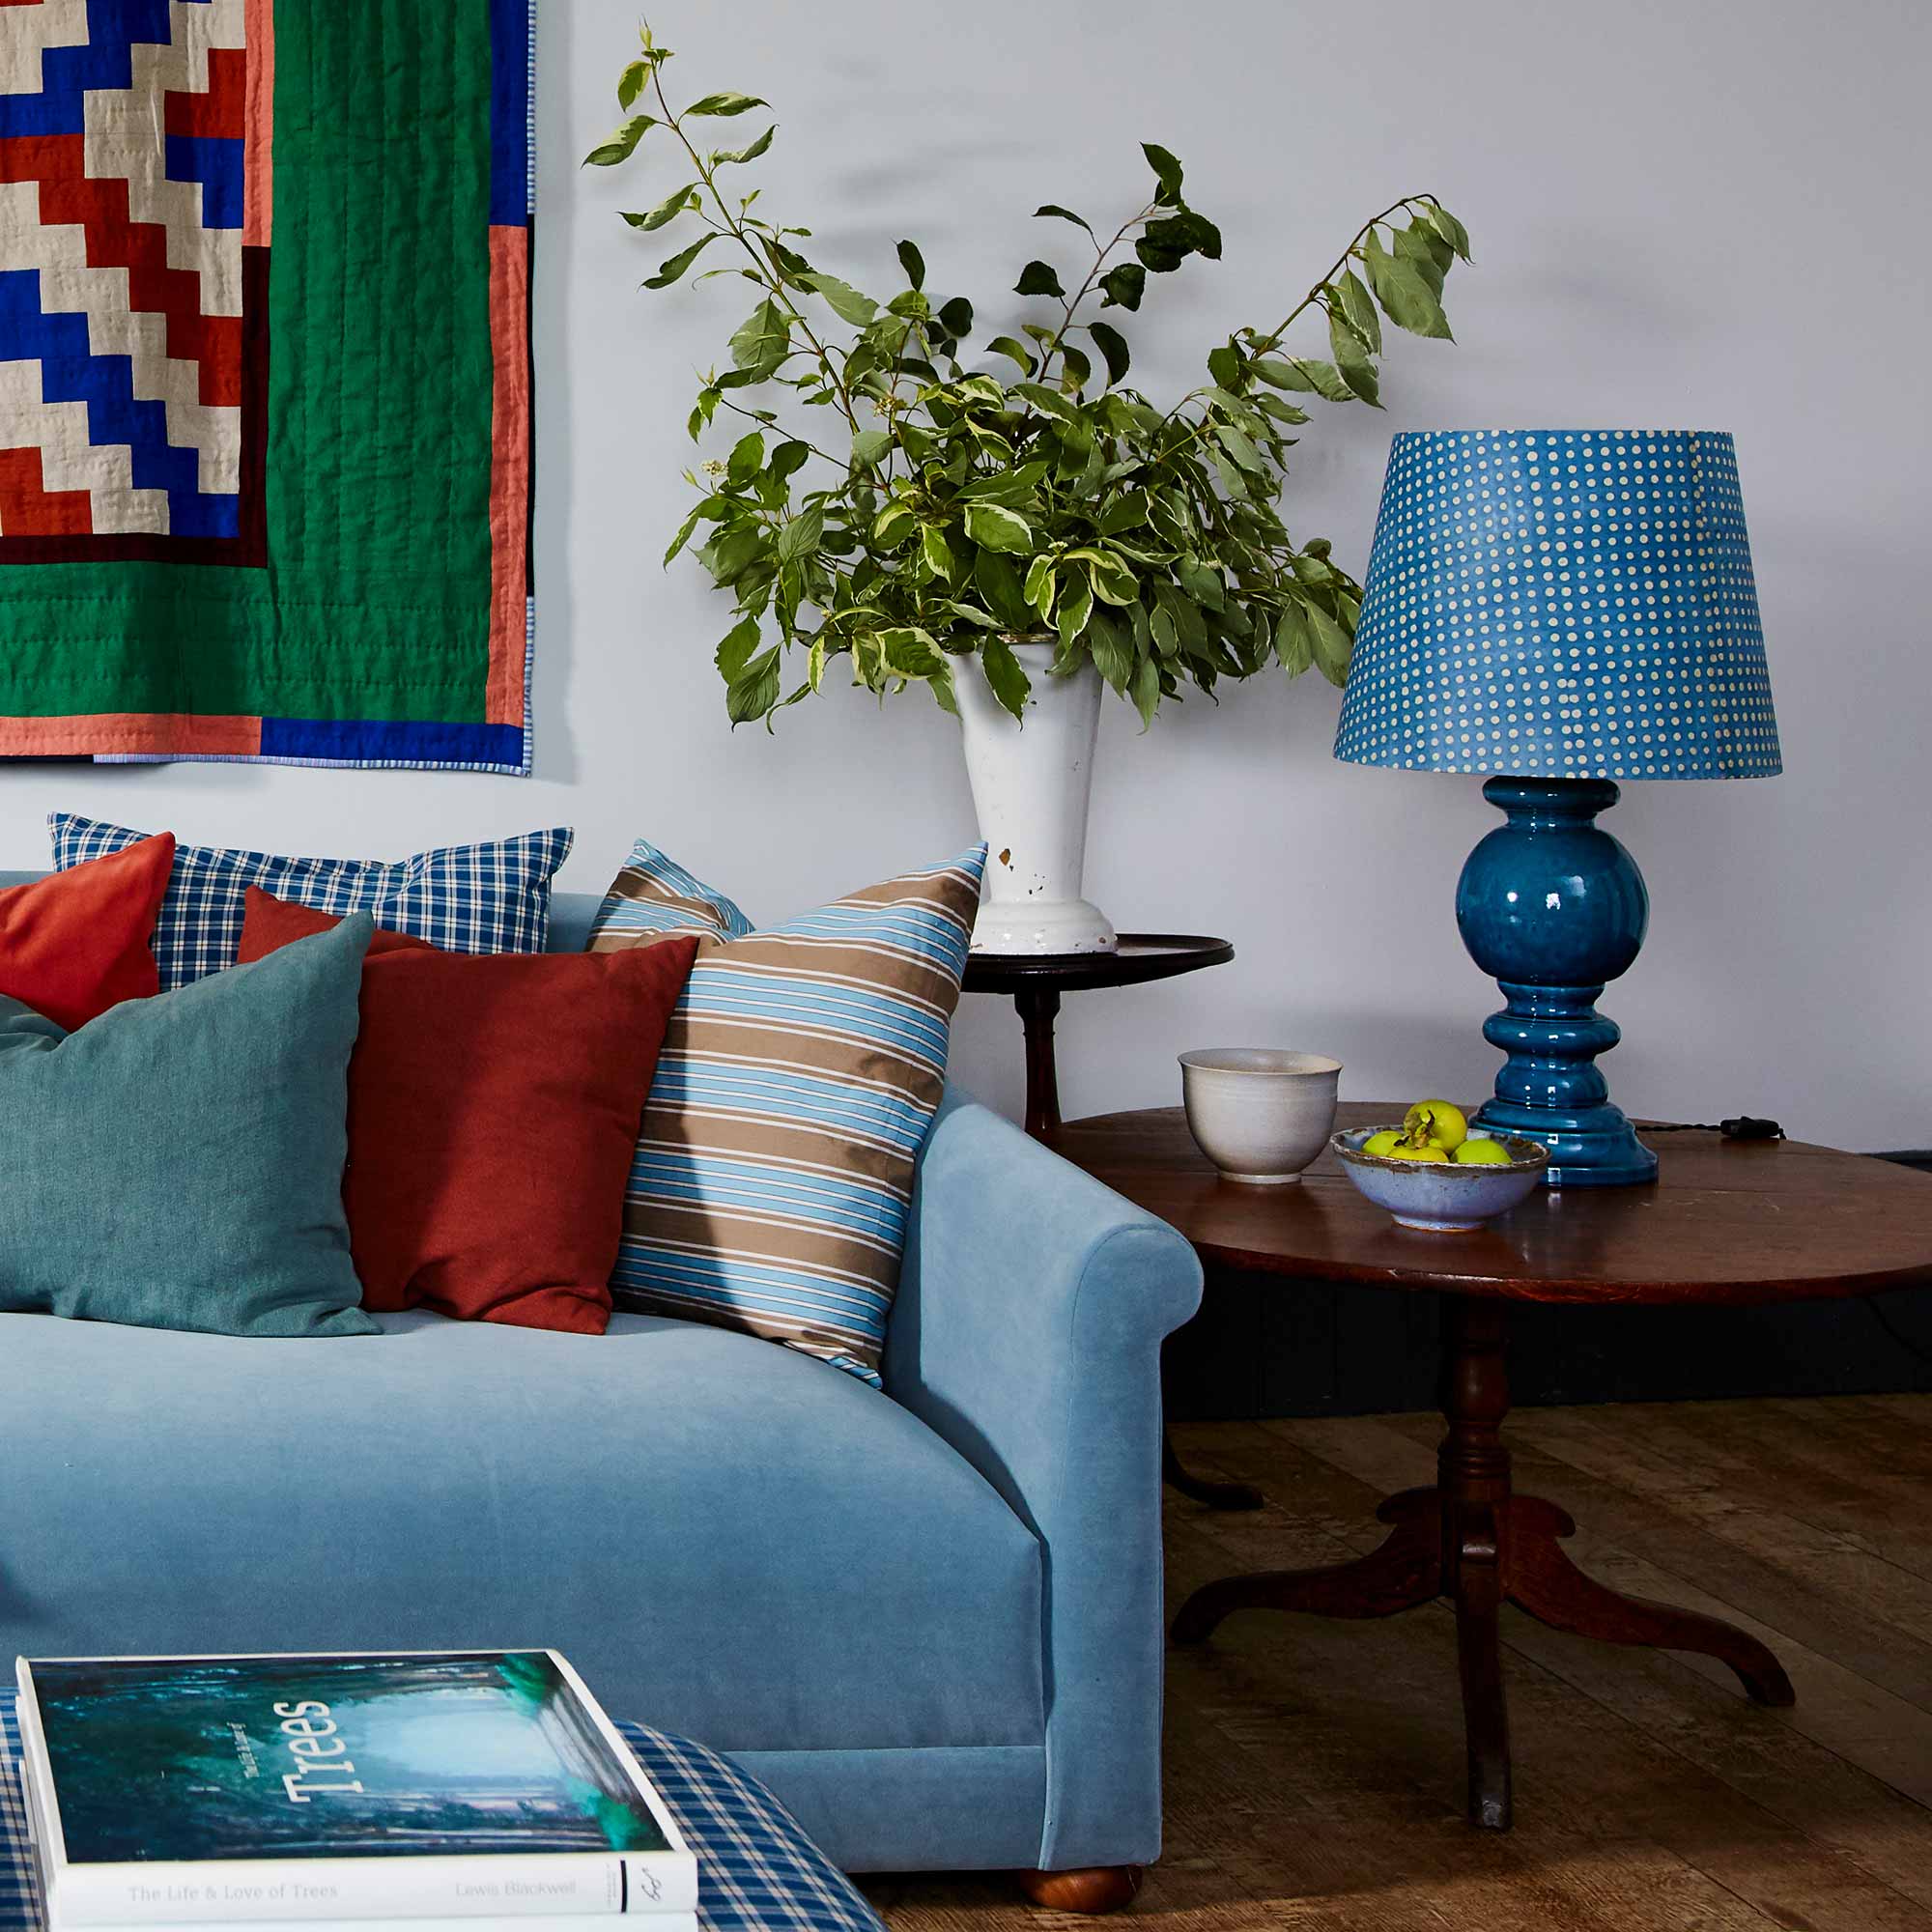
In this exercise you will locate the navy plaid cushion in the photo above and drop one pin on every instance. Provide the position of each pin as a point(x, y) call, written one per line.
point(466, 898)
point(756, 1870)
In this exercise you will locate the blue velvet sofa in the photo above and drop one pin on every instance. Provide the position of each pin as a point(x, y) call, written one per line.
point(930, 1620)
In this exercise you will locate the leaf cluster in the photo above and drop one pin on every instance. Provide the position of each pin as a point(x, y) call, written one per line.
point(914, 506)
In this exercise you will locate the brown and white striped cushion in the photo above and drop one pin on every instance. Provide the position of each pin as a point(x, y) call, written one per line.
point(801, 1071)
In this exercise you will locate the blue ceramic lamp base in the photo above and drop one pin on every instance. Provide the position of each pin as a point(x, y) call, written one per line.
point(1554, 908)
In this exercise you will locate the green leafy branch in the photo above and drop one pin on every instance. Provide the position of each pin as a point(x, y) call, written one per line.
point(969, 511)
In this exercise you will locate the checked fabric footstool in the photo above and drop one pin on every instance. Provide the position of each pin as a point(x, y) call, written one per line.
point(756, 1870)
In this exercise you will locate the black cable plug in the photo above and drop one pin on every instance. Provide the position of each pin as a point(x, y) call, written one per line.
point(1740, 1127)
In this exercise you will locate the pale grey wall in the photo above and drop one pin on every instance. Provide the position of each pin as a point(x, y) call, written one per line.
point(1686, 212)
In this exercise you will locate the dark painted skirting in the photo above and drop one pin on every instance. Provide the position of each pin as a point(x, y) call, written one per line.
point(1262, 1346)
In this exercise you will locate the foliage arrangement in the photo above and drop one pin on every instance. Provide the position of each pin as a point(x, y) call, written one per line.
point(942, 513)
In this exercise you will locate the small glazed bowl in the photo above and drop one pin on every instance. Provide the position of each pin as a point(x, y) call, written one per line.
point(1260, 1113)
point(1443, 1197)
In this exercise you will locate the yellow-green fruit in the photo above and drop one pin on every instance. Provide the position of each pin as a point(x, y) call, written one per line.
point(1482, 1153)
point(1438, 1123)
point(1384, 1143)
point(1403, 1151)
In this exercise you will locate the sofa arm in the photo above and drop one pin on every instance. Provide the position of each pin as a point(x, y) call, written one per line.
point(1027, 1332)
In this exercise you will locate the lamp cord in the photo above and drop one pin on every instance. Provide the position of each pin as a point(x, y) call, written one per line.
point(1742, 1127)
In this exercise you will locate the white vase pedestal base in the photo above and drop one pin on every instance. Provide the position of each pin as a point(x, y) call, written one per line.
point(1009, 926)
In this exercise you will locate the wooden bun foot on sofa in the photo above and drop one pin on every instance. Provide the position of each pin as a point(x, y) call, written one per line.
point(1092, 1888)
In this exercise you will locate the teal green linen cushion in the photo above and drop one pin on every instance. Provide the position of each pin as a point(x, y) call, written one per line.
point(177, 1163)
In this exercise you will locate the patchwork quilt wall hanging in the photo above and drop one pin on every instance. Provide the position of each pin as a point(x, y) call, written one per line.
point(264, 389)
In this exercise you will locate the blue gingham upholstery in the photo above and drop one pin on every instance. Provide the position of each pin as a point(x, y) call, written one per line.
point(756, 1870)
point(491, 898)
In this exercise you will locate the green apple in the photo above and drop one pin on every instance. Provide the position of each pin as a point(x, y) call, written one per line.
point(1436, 1123)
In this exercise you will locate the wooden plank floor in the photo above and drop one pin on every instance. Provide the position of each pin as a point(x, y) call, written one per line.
point(1314, 1769)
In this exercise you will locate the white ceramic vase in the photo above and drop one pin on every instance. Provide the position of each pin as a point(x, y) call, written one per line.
point(1030, 786)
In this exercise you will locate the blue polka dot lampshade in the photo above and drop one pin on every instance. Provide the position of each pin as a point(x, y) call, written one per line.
point(1561, 604)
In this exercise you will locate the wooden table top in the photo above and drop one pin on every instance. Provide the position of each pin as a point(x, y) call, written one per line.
point(1142, 957)
point(1727, 1221)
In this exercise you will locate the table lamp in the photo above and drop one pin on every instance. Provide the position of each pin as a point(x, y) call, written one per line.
point(1565, 609)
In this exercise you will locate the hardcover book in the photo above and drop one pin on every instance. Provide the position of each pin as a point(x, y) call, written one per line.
point(472, 1786)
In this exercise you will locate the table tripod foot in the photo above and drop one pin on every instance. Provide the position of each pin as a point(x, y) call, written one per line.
point(1543, 1581)
point(1404, 1571)
point(1200, 1488)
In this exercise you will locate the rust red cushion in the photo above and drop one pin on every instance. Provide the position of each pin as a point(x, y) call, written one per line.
point(76, 942)
point(494, 1104)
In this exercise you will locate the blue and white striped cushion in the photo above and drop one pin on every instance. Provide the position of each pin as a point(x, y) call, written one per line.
point(493, 898)
point(799, 1073)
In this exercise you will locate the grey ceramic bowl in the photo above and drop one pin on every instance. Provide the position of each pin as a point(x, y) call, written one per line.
point(1260, 1113)
point(1442, 1197)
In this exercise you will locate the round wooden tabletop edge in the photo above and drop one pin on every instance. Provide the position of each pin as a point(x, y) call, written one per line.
point(1146, 955)
point(1177, 1168)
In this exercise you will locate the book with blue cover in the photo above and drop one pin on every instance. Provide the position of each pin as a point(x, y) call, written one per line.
point(181, 1791)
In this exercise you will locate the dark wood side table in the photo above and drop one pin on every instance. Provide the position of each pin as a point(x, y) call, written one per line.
point(1728, 1222)
point(1035, 980)
point(1035, 983)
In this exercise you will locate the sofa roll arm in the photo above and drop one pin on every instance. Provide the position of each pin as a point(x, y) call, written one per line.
point(1027, 1332)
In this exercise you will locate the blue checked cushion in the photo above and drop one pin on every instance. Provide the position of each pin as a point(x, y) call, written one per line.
point(799, 1073)
point(756, 1870)
point(466, 898)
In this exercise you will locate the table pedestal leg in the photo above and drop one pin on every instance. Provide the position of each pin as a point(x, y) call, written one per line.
point(1039, 1008)
point(1472, 1483)
point(1473, 1541)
